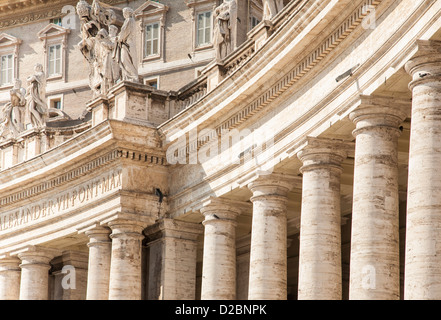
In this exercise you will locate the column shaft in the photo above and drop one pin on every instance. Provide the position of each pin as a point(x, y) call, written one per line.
point(100, 251)
point(219, 260)
point(320, 275)
point(10, 274)
point(125, 266)
point(34, 283)
point(268, 256)
point(375, 265)
point(423, 228)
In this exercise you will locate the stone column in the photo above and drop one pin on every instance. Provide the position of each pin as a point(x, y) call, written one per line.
point(100, 251)
point(172, 247)
point(10, 274)
point(125, 265)
point(375, 264)
point(219, 259)
point(320, 273)
point(423, 234)
point(35, 272)
point(268, 256)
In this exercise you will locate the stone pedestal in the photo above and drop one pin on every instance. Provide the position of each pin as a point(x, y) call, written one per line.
point(423, 234)
point(100, 251)
point(268, 264)
point(10, 274)
point(35, 272)
point(172, 248)
point(375, 265)
point(219, 261)
point(125, 265)
point(320, 275)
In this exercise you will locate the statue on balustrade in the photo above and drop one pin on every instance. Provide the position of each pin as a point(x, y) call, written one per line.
point(12, 114)
point(222, 30)
point(108, 69)
point(89, 30)
point(125, 51)
point(111, 56)
point(36, 108)
point(271, 8)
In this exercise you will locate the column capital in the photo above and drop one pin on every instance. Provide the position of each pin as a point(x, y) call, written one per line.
point(425, 65)
point(272, 184)
point(37, 255)
point(126, 228)
point(8, 262)
point(215, 209)
point(380, 112)
point(97, 233)
point(324, 153)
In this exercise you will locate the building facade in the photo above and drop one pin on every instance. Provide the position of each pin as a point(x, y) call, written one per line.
point(204, 149)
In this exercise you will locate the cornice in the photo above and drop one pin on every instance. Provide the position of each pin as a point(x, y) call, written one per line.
point(20, 12)
point(300, 70)
point(80, 171)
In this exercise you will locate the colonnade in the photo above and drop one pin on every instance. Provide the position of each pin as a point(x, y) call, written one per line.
point(374, 256)
point(114, 270)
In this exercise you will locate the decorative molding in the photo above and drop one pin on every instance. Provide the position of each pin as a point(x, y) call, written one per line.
point(294, 75)
point(61, 179)
point(11, 16)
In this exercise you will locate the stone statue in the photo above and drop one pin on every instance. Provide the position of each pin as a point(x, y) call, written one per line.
point(222, 31)
point(89, 30)
point(102, 15)
point(271, 8)
point(106, 66)
point(12, 113)
point(36, 111)
point(116, 71)
point(125, 51)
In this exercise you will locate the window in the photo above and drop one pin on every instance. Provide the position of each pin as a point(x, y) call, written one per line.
point(7, 69)
point(9, 48)
point(152, 83)
point(54, 62)
point(56, 21)
point(254, 22)
point(56, 104)
point(204, 28)
point(151, 40)
point(153, 17)
point(54, 38)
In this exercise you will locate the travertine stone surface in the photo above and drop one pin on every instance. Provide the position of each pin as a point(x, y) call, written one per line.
point(35, 272)
point(320, 275)
point(423, 234)
point(125, 265)
point(268, 257)
point(375, 265)
point(10, 274)
point(243, 267)
point(219, 260)
point(69, 272)
point(100, 251)
point(172, 248)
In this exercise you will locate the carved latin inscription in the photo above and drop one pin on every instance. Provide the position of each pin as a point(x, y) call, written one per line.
point(61, 203)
